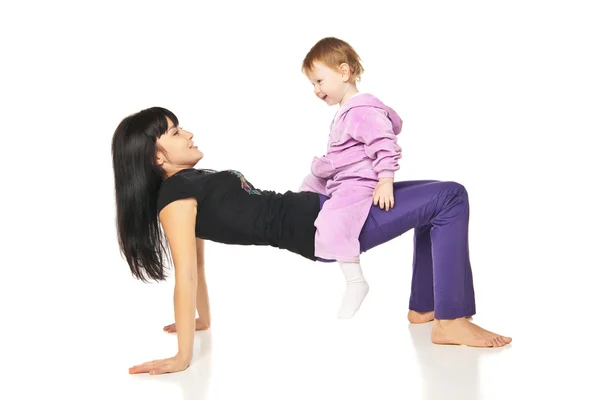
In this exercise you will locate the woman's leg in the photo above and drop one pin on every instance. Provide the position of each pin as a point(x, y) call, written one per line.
point(442, 210)
point(421, 294)
point(421, 299)
point(382, 226)
point(439, 214)
point(421, 303)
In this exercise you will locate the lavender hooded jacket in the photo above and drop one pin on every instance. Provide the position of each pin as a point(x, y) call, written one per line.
point(362, 139)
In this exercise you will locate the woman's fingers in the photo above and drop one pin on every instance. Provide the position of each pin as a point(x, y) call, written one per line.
point(142, 368)
point(173, 364)
point(153, 367)
point(159, 370)
point(168, 366)
point(138, 369)
point(170, 328)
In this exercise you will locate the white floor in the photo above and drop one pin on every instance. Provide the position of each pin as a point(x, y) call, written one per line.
point(275, 335)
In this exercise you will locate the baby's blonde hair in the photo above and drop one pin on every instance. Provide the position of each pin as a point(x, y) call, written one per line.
point(333, 52)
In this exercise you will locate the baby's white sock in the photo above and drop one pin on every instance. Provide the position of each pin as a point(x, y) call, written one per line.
point(356, 289)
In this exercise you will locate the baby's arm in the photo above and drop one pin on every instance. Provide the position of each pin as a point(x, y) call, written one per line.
point(381, 144)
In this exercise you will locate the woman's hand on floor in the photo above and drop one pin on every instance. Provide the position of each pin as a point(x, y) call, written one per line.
point(168, 365)
point(200, 326)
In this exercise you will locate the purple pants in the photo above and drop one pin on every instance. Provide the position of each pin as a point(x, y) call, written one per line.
point(438, 212)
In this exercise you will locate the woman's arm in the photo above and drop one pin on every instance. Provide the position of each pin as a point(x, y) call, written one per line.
point(178, 220)
point(202, 303)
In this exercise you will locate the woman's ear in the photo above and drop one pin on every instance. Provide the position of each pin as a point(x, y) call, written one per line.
point(161, 156)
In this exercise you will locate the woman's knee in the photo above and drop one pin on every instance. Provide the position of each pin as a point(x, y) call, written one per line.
point(455, 188)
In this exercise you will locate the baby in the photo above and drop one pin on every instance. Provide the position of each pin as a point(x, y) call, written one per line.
point(358, 169)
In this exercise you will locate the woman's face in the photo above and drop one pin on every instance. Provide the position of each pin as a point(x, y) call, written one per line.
point(175, 149)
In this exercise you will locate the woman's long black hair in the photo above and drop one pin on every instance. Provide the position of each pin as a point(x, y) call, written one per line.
point(137, 179)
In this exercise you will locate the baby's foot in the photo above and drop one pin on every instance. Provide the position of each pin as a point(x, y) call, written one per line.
point(353, 298)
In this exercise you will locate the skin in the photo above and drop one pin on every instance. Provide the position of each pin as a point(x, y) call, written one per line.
point(202, 302)
point(335, 86)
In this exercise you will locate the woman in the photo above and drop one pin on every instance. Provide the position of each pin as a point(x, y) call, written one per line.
point(156, 185)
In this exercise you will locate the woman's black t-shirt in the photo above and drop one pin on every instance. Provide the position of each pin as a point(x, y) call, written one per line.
point(232, 211)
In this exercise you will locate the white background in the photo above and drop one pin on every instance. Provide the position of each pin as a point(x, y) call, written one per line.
point(502, 97)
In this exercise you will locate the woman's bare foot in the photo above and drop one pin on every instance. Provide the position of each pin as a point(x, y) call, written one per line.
point(461, 331)
point(415, 317)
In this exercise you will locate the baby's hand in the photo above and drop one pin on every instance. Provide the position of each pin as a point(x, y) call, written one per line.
point(384, 193)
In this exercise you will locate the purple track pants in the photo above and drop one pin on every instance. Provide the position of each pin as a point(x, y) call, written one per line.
point(438, 212)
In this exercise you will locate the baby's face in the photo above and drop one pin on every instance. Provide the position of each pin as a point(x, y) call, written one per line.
point(328, 83)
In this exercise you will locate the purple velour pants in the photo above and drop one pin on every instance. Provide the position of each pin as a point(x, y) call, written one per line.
point(438, 212)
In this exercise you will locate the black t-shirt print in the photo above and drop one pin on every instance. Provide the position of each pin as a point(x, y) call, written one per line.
point(247, 186)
